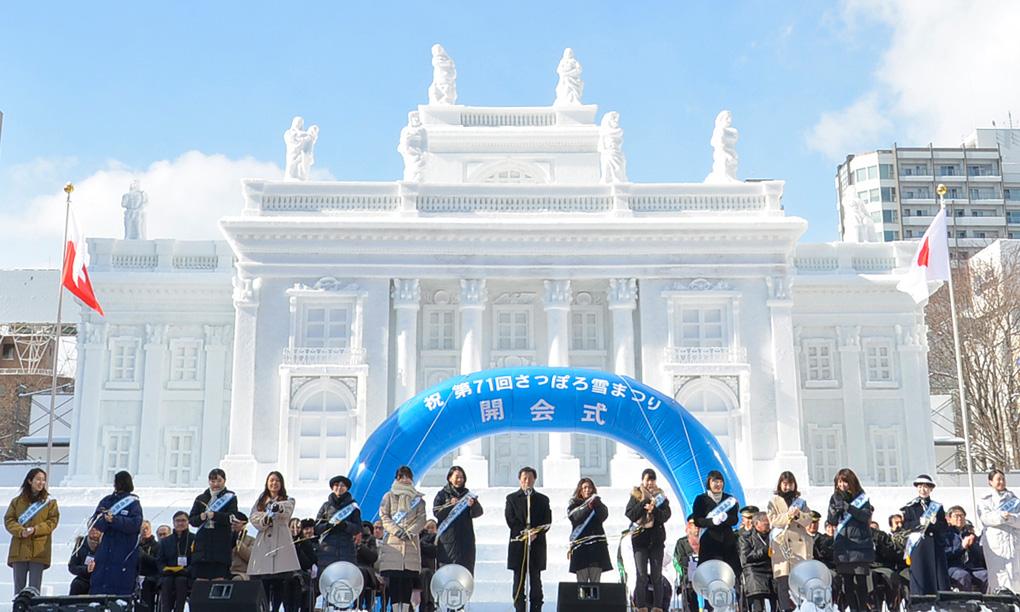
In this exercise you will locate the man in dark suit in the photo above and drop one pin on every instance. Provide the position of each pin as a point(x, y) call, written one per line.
point(528, 516)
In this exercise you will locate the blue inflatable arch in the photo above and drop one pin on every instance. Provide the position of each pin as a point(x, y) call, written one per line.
point(541, 399)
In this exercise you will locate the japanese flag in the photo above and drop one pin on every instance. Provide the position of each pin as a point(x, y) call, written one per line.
point(75, 274)
point(931, 263)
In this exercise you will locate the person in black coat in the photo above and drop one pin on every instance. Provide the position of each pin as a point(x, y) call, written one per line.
point(717, 538)
point(929, 573)
point(367, 555)
point(589, 557)
point(853, 548)
point(173, 561)
point(336, 539)
point(116, 569)
point(964, 556)
point(304, 587)
point(83, 562)
point(148, 550)
point(756, 564)
point(212, 514)
point(648, 509)
point(526, 552)
point(429, 565)
point(456, 543)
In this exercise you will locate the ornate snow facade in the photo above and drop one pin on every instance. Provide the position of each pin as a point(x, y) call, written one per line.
point(336, 301)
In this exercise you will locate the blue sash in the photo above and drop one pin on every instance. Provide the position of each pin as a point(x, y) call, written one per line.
point(576, 533)
point(399, 516)
point(723, 508)
point(912, 542)
point(457, 511)
point(122, 505)
point(858, 502)
point(799, 504)
point(220, 502)
point(659, 500)
point(1010, 505)
point(32, 510)
point(343, 513)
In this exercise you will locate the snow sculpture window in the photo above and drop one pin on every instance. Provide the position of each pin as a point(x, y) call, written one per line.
point(124, 360)
point(701, 326)
point(826, 452)
point(513, 328)
point(185, 358)
point(326, 326)
point(819, 363)
point(440, 329)
point(509, 172)
point(885, 450)
point(179, 457)
point(117, 451)
point(586, 328)
point(321, 419)
point(878, 361)
point(714, 405)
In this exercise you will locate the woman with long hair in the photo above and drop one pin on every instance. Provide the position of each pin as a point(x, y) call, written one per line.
point(589, 550)
point(789, 517)
point(648, 508)
point(403, 516)
point(273, 556)
point(716, 513)
point(999, 512)
point(30, 519)
point(456, 509)
point(853, 548)
point(119, 517)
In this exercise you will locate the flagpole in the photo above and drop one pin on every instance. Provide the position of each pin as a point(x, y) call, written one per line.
point(68, 189)
point(941, 191)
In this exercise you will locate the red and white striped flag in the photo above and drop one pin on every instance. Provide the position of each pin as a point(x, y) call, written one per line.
point(75, 275)
point(930, 265)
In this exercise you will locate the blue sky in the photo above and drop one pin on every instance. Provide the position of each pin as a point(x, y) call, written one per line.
point(100, 93)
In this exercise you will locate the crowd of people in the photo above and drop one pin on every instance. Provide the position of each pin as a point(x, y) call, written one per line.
point(927, 548)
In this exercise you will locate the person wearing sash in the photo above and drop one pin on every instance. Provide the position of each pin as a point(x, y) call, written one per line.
point(648, 509)
point(528, 516)
point(852, 548)
point(30, 519)
point(403, 517)
point(174, 559)
point(715, 512)
point(456, 509)
point(790, 518)
point(336, 524)
point(119, 517)
point(273, 556)
point(212, 514)
point(926, 520)
point(589, 549)
point(999, 512)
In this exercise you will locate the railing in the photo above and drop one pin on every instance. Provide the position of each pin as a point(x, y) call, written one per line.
point(162, 255)
point(134, 262)
point(816, 264)
point(873, 264)
point(196, 262)
point(513, 204)
point(705, 354)
point(507, 118)
point(312, 356)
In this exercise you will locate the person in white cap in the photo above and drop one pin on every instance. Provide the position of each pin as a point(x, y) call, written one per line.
point(999, 512)
point(925, 517)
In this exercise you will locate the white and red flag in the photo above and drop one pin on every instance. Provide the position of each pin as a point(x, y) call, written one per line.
point(75, 275)
point(930, 265)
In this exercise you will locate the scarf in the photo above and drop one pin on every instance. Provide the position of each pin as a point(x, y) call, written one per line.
point(404, 494)
point(453, 491)
point(716, 497)
point(648, 495)
point(788, 497)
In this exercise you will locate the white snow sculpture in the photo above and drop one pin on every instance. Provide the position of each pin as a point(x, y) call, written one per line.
point(570, 86)
point(724, 150)
point(610, 147)
point(300, 150)
point(444, 77)
point(134, 202)
point(412, 148)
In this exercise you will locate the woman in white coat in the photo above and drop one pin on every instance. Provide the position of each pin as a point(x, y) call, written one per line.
point(403, 516)
point(999, 512)
point(273, 558)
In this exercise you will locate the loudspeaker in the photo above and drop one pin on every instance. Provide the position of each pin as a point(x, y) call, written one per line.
point(227, 596)
point(592, 597)
point(25, 602)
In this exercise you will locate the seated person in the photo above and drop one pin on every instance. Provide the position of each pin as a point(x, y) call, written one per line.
point(83, 562)
point(964, 556)
point(242, 547)
point(173, 561)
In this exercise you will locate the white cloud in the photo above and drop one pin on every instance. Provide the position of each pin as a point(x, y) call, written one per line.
point(187, 196)
point(948, 69)
point(855, 128)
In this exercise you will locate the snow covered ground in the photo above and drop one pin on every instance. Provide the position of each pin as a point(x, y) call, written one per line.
point(492, 585)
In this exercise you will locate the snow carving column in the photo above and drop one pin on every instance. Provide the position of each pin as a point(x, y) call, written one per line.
point(239, 463)
point(560, 468)
point(86, 459)
point(853, 400)
point(626, 463)
point(406, 298)
point(790, 450)
point(473, 296)
point(152, 388)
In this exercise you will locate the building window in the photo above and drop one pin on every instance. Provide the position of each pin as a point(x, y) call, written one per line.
point(326, 326)
point(826, 451)
point(917, 193)
point(914, 169)
point(886, 455)
point(948, 170)
point(888, 194)
point(513, 329)
point(1012, 193)
point(322, 419)
point(117, 452)
point(885, 171)
point(8, 352)
point(889, 216)
point(184, 360)
point(123, 360)
point(701, 326)
point(180, 458)
point(440, 329)
point(586, 329)
point(1012, 216)
point(878, 362)
point(891, 235)
point(820, 363)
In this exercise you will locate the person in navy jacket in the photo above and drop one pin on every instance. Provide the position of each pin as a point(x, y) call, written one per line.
point(116, 556)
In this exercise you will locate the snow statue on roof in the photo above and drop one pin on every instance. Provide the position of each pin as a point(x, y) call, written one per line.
point(724, 150)
point(444, 77)
point(412, 148)
point(858, 226)
point(612, 161)
point(134, 202)
point(570, 86)
point(300, 150)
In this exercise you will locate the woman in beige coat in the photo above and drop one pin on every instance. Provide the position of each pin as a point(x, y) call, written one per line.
point(273, 558)
point(789, 517)
point(403, 517)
